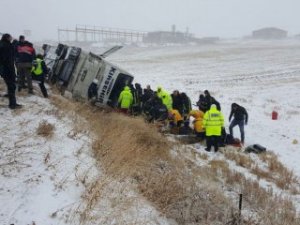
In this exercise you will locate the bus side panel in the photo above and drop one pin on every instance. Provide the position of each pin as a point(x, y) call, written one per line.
point(88, 73)
point(74, 78)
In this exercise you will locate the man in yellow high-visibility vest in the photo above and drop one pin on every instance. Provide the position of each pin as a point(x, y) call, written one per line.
point(39, 71)
point(213, 122)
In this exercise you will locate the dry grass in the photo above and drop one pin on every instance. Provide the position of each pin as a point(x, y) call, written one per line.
point(279, 174)
point(45, 129)
point(129, 149)
point(275, 172)
point(240, 159)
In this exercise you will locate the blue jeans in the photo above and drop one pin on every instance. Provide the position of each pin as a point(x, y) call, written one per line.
point(241, 124)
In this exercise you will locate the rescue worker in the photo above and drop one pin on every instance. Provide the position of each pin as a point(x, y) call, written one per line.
point(198, 123)
point(213, 122)
point(148, 93)
point(25, 57)
point(240, 118)
point(165, 97)
point(187, 105)
point(202, 103)
point(175, 118)
point(93, 89)
point(125, 100)
point(158, 111)
point(177, 102)
point(137, 96)
point(7, 69)
point(211, 100)
point(39, 71)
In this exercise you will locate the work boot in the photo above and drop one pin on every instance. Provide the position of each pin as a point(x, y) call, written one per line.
point(207, 149)
point(16, 106)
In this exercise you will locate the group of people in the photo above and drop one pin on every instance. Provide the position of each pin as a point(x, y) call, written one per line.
point(19, 65)
point(176, 109)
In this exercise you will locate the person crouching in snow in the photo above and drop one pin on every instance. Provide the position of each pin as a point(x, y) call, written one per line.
point(213, 122)
point(125, 100)
point(175, 118)
point(198, 123)
point(39, 71)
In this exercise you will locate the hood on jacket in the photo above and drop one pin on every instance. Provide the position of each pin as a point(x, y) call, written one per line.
point(126, 88)
point(159, 89)
point(213, 106)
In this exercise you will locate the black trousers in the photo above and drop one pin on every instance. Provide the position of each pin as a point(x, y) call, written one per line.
point(11, 88)
point(40, 79)
point(212, 141)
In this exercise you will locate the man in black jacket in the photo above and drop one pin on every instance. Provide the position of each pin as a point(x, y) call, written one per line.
point(177, 102)
point(211, 100)
point(7, 69)
point(240, 118)
point(25, 56)
point(158, 111)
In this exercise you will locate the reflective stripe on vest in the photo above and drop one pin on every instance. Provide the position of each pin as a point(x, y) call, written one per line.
point(37, 68)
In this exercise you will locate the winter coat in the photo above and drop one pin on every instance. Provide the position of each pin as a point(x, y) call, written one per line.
point(213, 122)
point(198, 121)
point(239, 113)
point(125, 99)
point(39, 67)
point(25, 52)
point(187, 105)
point(166, 98)
point(175, 116)
point(7, 62)
point(177, 102)
point(202, 104)
point(148, 93)
point(158, 112)
point(211, 100)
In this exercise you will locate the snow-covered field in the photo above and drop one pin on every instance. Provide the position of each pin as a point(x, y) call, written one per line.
point(261, 76)
point(41, 179)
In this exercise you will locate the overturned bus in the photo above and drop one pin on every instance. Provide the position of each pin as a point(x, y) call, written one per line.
point(73, 70)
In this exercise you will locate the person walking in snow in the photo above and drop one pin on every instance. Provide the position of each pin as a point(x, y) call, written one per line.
point(240, 118)
point(125, 100)
point(213, 122)
point(7, 69)
point(39, 71)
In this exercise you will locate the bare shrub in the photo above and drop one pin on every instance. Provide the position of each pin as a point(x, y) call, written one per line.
point(45, 129)
point(240, 159)
point(261, 174)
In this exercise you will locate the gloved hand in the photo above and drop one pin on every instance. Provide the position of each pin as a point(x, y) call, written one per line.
point(246, 122)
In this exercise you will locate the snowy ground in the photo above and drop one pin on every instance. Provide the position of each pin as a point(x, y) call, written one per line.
point(44, 180)
point(261, 76)
point(39, 175)
point(41, 179)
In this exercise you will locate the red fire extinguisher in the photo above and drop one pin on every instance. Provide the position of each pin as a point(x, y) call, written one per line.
point(274, 115)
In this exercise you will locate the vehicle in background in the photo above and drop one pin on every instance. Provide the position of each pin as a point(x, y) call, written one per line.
point(74, 70)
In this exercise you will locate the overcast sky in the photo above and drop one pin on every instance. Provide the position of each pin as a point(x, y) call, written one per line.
point(223, 18)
